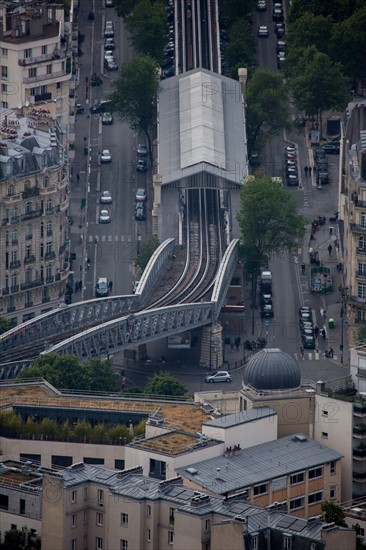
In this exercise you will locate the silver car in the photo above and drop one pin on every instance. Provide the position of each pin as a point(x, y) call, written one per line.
point(104, 216)
point(105, 197)
point(220, 376)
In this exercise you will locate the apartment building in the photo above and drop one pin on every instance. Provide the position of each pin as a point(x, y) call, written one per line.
point(36, 60)
point(353, 214)
point(87, 506)
point(34, 231)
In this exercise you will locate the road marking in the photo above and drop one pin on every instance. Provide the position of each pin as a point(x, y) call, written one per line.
point(110, 237)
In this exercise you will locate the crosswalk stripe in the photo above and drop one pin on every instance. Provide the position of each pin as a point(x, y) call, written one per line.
point(313, 356)
point(103, 238)
point(110, 237)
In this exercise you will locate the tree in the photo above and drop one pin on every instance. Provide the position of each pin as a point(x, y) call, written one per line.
point(337, 9)
point(269, 223)
point(148, 28)
point(165, 384)
point(318, 83)
point(125, 7)
point(267, 106)
point(235, 10)
point(348, 44)
point(360, 334)
point(135, 93)
point(240, 51)
point(310, 30)
point(146, 251)
point(66, 372)
point(333, 512)
point(5, 325)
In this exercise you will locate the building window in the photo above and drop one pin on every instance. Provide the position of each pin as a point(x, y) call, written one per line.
point(287, 542)
point(148, 535)
point(148, 510)
point(4, 71)
point(123, 544)
point(14, 280)
point(4, 502)
point(332, 492)
point(124, 519)
point(73, 544)
point(297, 503)
point(99, 543)
point(28, 208)
point(100, 518)
point(260, 489)
point(297, 478)
point(32, 73)
point(14, 237)
point(85, 517)
point(28, 232)
point(4, 88)
point(14, 256)
point(28, 275)
point(11, 190)
point(363, 219)
point(5, 105)
point(85, 493)
point(362, 269)
point(44, 50)
point(27, 53)
point(207, 524)
point(171, 515)
point(49, 248)
point(100, 497)
point(324, 435)
point(362, 244)
point(46, 182)
point(361, 288)
point(170, 537)
point(74, 520)
point(22, 506)
point(4, 52)
point(332, 466)
point(360, 315)
point(73, 496)
point(316, 472)
point(315, 497)
point(254, 542)
point(49, 69)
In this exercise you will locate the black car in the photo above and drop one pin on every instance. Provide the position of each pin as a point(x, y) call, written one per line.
point(140, 213)
point(168, 72)
point(141, 165)
point(280, 30)
point(331, 149)
point(267, 311)
point(281, 46)
point(101, 107)
point(79, 109)
point(96, 80)
point(322, 177)
point(266, 300)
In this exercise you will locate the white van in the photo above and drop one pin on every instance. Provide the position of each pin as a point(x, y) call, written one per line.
point(101, 288)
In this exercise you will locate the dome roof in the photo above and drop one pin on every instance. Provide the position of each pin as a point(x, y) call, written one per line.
point(272, 369)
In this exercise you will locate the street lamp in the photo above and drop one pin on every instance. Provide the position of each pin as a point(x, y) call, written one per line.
point(138, 243)
point(342, 333)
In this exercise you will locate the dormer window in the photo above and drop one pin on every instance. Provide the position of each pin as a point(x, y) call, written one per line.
point(11, 190)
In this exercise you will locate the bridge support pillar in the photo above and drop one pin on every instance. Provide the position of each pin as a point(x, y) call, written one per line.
point(211, 346)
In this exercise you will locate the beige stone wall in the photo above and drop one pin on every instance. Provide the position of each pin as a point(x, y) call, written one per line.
point(227, 535)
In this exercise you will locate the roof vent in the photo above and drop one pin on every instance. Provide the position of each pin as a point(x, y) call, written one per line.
point(300, 437)
point(192, 471)
point(328, 526)
point(357, 510)
point(242, 519)
point(77, 466)
point(199, 499)
point(315, 519)
point(127, 471)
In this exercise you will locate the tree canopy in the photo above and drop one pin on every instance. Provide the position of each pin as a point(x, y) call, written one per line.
point(333, 512)
point(310, 30)
point(125, 7)
point(164, 383)
point(135, 92)
point(5, 325)
point(148, 28)
point(267, 107)
point(348, 44)
point(318, 83)
point(147, 249)
point(65, 371)
point(269, 221)
point(240, 51)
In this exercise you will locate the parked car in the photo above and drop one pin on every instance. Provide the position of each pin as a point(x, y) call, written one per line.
point(104, 216)
point(281, 46)
point(304, 309)
point(263, 30)
point(167, 73)
point(107, 119)
point(141, 194)
point(292, 180)
point(220, 376)
point(105, 197)
point(266, 299)
point(142, 150)
point(106, 156)
point(109, 30)
point(109, 3)
point(322, 177)
point(110, 64)
point(100, 107)
point(267, 311)
point(96, 80)
point(331, 149)
point(109, 44)
point(140, 211)
point(308, 342)
point(281, 58)
point(306, 324)
point(280, 30)
point(79, 109)
point(277, 15)
point(306, 316)
point(261, 5)
point(141, 165)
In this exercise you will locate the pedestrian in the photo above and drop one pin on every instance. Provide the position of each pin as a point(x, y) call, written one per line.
point(316, 331)
point(331, 353)
point(110, 285)
point(323, 333)
point(77, 178)
point(237, 343)
point(330, 249)
point(80, 285)
point(306, 169)
point(303, 268)
point(232, 345)
point(302, 351)
point(324, 314)
point(76, 286)
point(310, 171)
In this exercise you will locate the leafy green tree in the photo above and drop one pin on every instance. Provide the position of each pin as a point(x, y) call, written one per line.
point(267, 107)
point(348, 44)
point(310, 30)
point(100, 376)
point(5, 325)
point(318, 83)
point(82, 429)
point(269, 223)
point(164, 383)
point(337, 9)
point(148, 28)
point(240, 51)
point(235, 10)
point(135, 93)
point(333, 512)
point(147, 249)
point(360, 333)
point(125, 7)
point(14, 539)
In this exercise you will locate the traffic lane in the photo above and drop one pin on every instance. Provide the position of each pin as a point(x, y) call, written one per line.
point(266, 46)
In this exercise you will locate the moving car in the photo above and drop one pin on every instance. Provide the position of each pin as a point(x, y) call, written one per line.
point(100, 107)
point(140, 211)
point(101, 288)
point(105, 197)
point(141, 194)
point(220, 376)
point(263, 30)
point(107, 118)
point(96, 80)
point(261, 5)
point(106, 156)
point(104, 216)
point(142, 150)
point(141, 165)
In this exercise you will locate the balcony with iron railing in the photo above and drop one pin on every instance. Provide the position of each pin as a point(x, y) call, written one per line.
point(28, 304)
point(356, 228)
point(31, 192)
point(47, 77)
point(45, 299)
point(31, 215)
point(14, 288)
point(360, 274)
point(5, 291)
point(361, 251)
point(50, 279)
point(29, 259)
point(13, 242)
point(32, 284)
point(359, 430)
point(50, 255)
point(54, 56)
point(359, 409)
point(14, 264)
point(359, 203)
